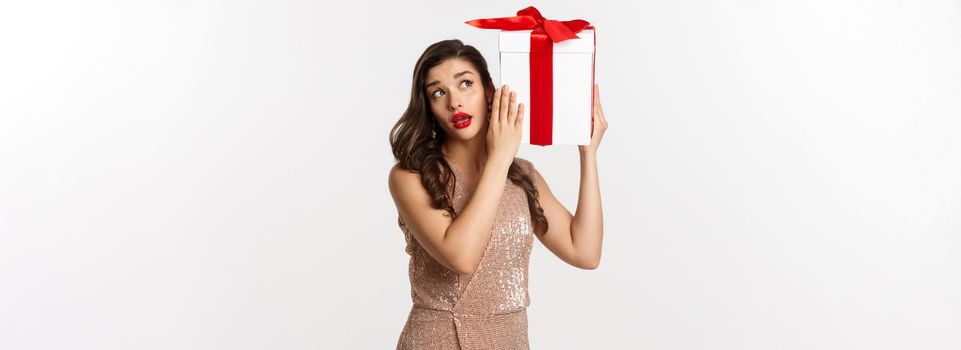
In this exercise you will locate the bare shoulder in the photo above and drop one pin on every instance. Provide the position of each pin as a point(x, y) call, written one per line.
point(397, 171)
point(401, 181)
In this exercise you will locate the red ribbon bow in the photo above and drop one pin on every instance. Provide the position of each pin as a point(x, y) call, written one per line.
point(530, 18)
point(545, 32)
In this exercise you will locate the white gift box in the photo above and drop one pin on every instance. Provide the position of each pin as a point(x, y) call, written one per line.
point(572, 89)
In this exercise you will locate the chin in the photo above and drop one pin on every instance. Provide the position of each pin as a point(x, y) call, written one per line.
point(462, 135)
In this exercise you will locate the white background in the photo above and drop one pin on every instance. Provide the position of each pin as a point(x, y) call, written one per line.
point(213, 175)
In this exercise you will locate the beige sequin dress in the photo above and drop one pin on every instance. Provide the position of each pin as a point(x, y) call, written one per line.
point(483, 310)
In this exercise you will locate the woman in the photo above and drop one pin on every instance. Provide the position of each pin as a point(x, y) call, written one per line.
point(469, 207)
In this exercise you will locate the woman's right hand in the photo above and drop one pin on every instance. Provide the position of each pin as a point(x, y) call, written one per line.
point(505, 126)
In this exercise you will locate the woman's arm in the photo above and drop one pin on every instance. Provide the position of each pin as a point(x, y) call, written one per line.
point(456, 244)
point(576, 239)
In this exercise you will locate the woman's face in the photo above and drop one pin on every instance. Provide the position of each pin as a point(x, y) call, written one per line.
point(457, 98)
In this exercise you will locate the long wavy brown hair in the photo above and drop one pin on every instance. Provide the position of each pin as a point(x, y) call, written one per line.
point(415, 150)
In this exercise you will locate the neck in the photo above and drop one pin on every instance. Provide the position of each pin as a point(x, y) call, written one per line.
point(470, 154)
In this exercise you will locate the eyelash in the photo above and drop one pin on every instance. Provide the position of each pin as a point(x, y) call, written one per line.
point(436, 91)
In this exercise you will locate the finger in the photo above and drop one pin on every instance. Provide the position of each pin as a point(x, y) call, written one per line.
point(598, 110)
point(597, 93)
point(597, 101)
point(495, 105)
point(512, 112)
point(505, 102)
point(598, 114)
point(519, 123)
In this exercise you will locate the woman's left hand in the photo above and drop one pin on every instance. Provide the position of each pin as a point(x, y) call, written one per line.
point(599, 122)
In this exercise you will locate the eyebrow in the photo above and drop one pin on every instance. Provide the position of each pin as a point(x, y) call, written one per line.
point(455, 77)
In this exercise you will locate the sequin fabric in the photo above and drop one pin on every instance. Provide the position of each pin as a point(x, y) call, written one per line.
point(486, 309)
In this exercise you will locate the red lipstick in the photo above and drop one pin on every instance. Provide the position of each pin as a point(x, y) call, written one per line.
point(461, 120)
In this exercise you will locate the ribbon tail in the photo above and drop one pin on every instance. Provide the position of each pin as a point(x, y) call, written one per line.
point(576, 25)
point(504, 23)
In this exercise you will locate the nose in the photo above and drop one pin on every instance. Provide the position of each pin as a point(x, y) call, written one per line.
point(456, 101)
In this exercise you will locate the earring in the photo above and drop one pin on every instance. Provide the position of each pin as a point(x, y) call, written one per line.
point(490, 106)
point(433, 133)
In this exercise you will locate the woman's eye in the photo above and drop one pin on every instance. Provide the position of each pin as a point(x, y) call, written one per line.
point(438, 93)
